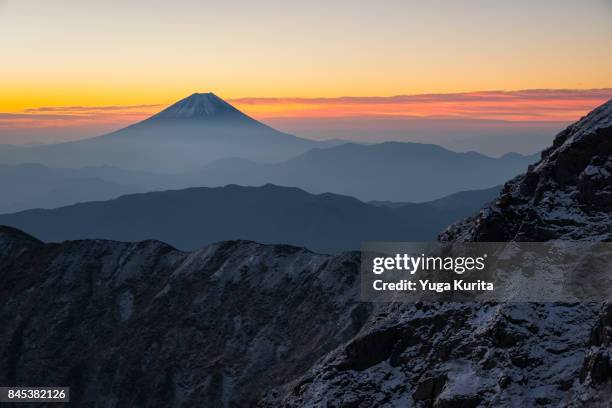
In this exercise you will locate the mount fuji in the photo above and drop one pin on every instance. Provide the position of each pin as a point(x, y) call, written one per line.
point(204, 106)
point(205, 116)
point(188, 134)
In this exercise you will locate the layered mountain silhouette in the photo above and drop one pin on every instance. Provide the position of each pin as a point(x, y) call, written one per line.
point(196, 130)
point(390, 171)
point(403, 172)
point(30, 185)
point(463, 202)
point(204, 141)
point(194, 217)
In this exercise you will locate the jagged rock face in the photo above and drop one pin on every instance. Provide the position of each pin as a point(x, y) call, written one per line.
point(597, 367)
point(142, 324)
point(502, 355)
point(469, 355)
point(567, 195)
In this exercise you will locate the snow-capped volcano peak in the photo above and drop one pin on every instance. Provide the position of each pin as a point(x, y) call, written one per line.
point(198, 106)
point(206, 128)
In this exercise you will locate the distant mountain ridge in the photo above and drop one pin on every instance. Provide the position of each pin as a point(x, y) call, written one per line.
point(33, 185)
point(461, 202)
point(399, 172)
point(393, 171)
point(194, 217)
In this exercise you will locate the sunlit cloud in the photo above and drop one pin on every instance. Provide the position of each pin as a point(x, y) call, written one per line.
point(93, 109)
point(528, 105)
point(54, 116)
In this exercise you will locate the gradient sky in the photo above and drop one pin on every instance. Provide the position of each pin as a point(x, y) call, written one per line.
point(127, 58)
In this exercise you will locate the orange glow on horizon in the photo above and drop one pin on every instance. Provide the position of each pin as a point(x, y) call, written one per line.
point(516, 106)
point(531, 105)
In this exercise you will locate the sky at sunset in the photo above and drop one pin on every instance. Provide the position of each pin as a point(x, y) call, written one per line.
point(72, 69)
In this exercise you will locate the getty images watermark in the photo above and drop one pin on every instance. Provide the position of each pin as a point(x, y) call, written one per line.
point(558, 271)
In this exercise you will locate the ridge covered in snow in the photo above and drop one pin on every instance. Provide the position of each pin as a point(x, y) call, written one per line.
point(598, 119)
point(144, 324)
point(566, 195)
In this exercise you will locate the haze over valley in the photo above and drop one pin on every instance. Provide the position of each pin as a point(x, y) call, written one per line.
point(202, 141)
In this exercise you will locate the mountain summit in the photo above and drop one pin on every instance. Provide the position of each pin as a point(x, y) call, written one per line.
point(197, 105)
point(201, 110)
point(204, 107)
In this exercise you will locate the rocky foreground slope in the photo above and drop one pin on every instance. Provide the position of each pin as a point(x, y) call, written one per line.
point(493, 355)
point(142, 324)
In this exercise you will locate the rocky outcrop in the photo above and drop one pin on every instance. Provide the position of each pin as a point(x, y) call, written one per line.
point(142, 324)
point(502, 355)
point(566, 195)
point(449, 355)
point(597, 366)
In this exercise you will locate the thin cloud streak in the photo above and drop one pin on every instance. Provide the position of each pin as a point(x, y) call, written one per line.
point(526, 105)
point(90, 109)
point(77, 116)
point(485, 96)
point(11, 116)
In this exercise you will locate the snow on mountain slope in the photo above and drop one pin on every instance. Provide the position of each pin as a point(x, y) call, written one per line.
point(198, 106)
point(566, 195)
point(203, 115)
point(142, 324)
point(483, 355)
